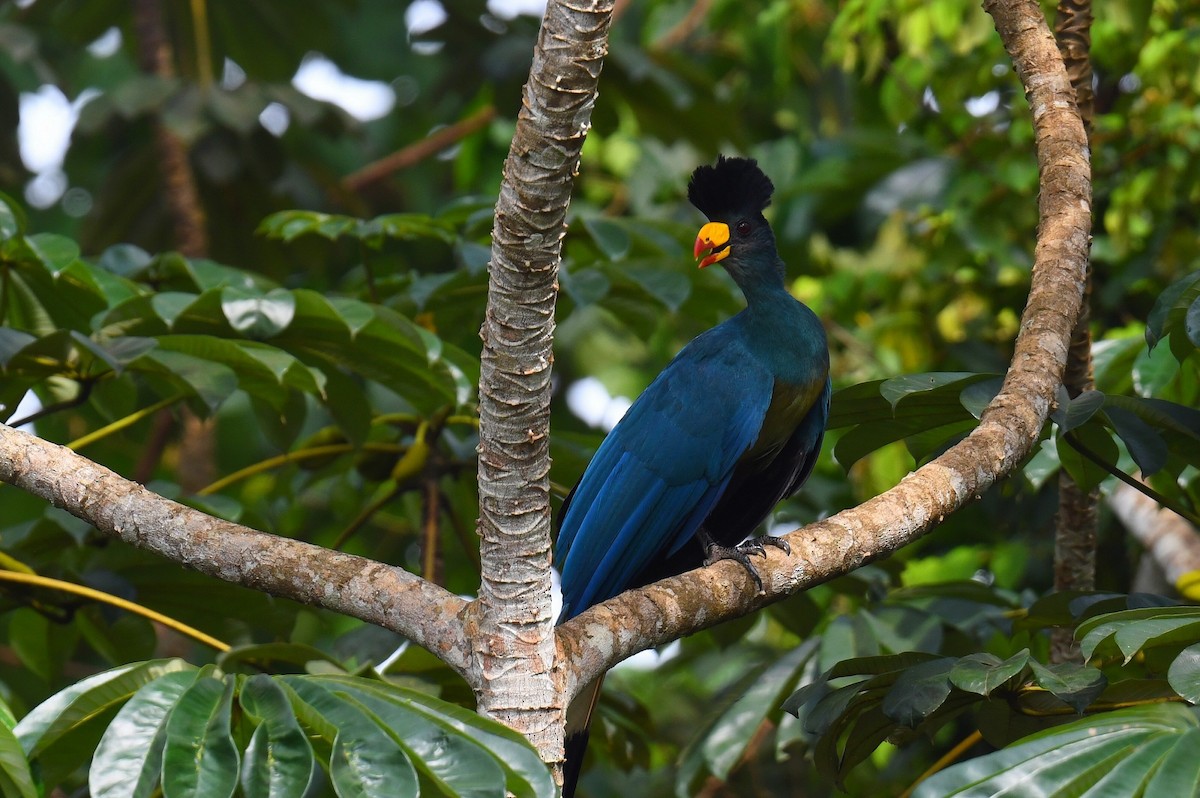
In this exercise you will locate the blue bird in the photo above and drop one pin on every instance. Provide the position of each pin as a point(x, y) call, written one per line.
point(730, 427)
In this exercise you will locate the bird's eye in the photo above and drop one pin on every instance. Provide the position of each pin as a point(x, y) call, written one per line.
point(743, 228)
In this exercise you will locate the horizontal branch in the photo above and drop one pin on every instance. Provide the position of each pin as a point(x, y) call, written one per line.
point(372, 591)
point(640, 619)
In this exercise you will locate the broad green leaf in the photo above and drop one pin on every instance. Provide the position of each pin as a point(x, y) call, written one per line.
point(1192, 322)
point(211, 382)
point(898, 388)
point(200, 757)
point(1094, 631)
point(1096, 440)
point(1170, 307)
point(365, 761)
point(12, 218)
point(982, 673)
point(1146, 446)
point(451, 761)
point(610, 236)
point(1070, 759)
point(1184, 673)
point(258, 316)
point(16, 779)
point(1077, 411)
point(525, 774)
point(279, 761)
point(1136, 635)
point(54, 251)
point(1074, 684)
point(1179, 771)
point(669, 287)
point(86, 699)
point(585, 286)
point(919, 691)
point(126, 260)
point(128, 761)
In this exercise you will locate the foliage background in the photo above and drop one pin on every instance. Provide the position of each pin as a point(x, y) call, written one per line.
point(905, 207)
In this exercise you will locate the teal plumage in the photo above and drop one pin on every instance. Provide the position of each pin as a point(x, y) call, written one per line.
point(731, 426)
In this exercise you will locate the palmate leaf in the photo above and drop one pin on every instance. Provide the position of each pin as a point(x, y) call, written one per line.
point(1142, 751)
point(178, 731)
point(128, 761)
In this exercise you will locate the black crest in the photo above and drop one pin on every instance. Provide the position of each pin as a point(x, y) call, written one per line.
point(734, 186)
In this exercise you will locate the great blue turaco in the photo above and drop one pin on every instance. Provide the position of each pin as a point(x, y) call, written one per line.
point(730, 427)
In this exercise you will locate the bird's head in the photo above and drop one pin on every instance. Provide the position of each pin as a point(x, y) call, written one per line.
point(733, 194)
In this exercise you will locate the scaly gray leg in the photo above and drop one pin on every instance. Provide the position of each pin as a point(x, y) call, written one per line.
point(715, 552)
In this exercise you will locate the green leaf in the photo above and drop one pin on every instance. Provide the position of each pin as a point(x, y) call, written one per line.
point(898, 388)
point(1112, 754)
point(982, 673)
point(1095, 631)
point(1078, 411)
point(1172, 304)
point(126, 260)
point(1192, 322)
point(610, 236)
point(1074, 684)
point(54, 251)
point(200, 757)
point(585, 286)
point(919, 691)
point(279, 761)
point(1184, 673)
point(12, 218)
point(128, 761)
point(1146, 446)
point(1086, 473)
point(365, 761)
point(525, 774)
point(452, 762)
point(212, 382)
point(16, 779)
point(84, 700)
point(258, 316)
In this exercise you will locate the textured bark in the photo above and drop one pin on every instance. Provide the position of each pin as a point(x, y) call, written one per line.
point(643, 618)
point(1078, 510)
point(380, 594)
point(510, 625)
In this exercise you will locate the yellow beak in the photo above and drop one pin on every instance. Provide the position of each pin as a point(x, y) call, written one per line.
point(712, 238)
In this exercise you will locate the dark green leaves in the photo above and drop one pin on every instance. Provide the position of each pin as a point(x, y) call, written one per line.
point(178, 730)
point(927, 410)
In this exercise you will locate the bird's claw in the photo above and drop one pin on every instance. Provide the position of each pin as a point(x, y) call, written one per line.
point(741, 553)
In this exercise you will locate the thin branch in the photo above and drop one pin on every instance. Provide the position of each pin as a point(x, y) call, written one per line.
point(418, 151)
point(85, 390)
point(356, 586)
point(666, 610)
point(1139, 486)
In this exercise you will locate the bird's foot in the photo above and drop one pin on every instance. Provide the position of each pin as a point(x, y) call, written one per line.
point(741, 553)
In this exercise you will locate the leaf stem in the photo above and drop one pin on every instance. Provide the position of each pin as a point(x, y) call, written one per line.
point(107, 598)
point(1165, 501)
point(122, 423)
point(293, 457)
point(946, 759)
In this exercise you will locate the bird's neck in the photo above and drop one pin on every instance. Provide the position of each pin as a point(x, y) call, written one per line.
point(784, 331)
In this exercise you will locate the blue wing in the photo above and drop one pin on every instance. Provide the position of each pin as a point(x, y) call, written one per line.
point(661, 470)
